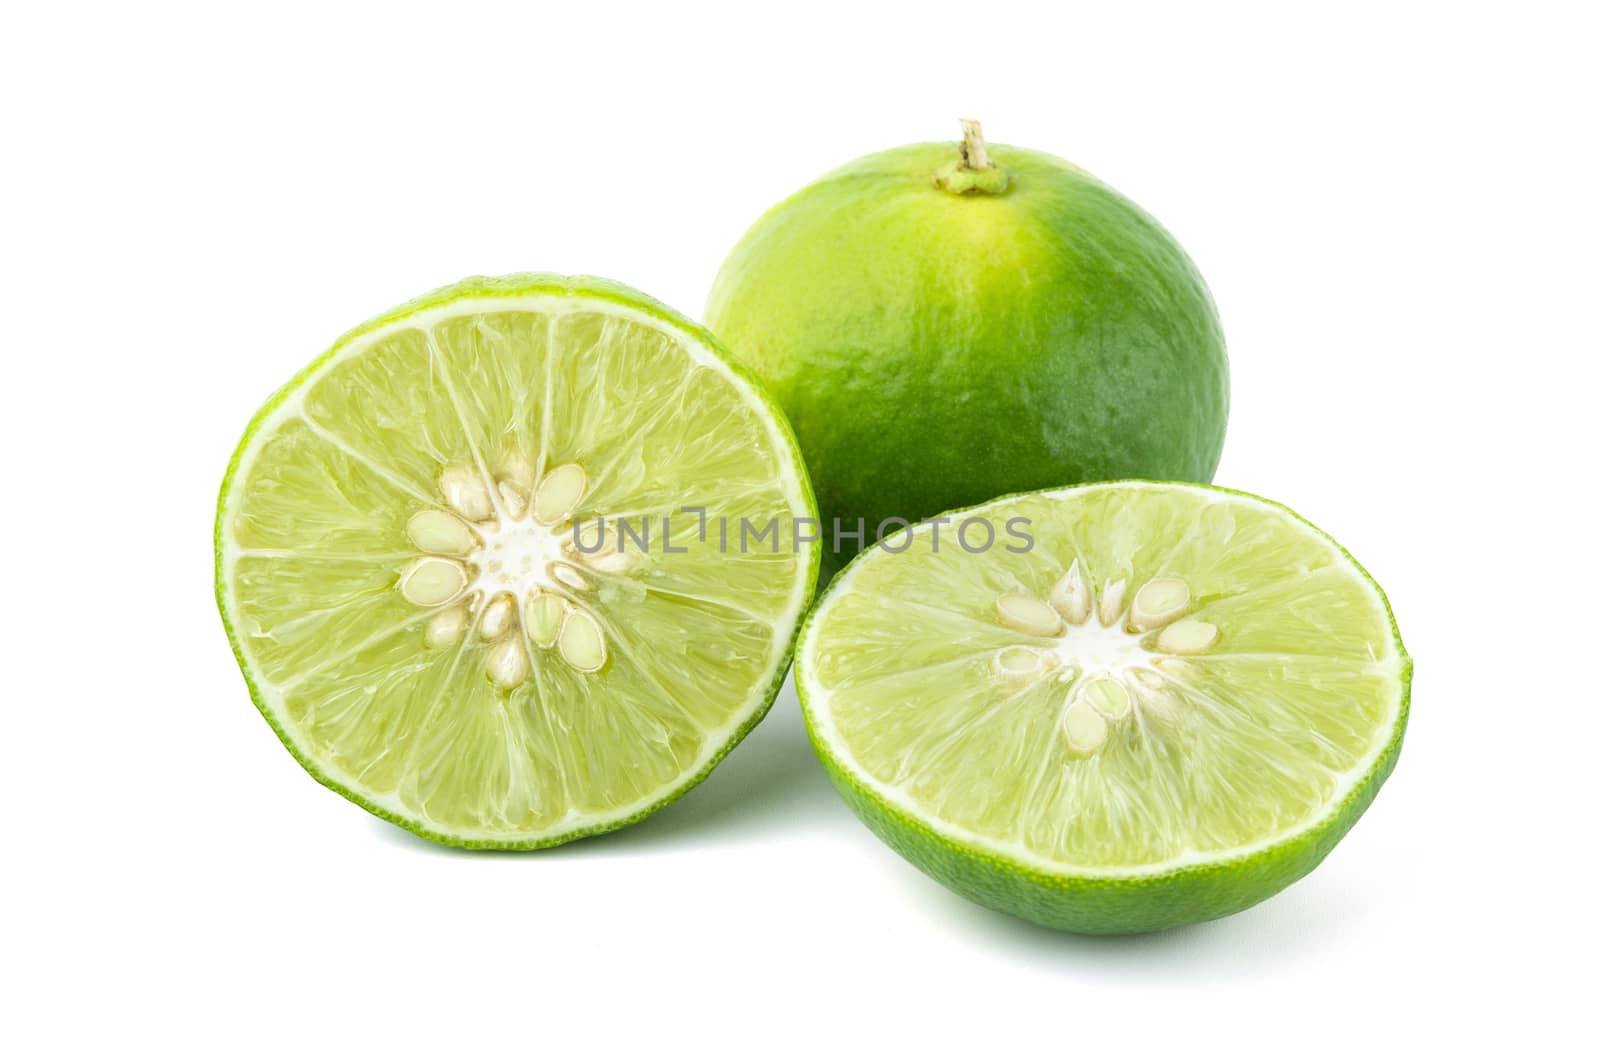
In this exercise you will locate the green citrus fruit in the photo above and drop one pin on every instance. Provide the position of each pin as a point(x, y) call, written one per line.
point(412, 565)
point(945, 325)
point(1144, 705)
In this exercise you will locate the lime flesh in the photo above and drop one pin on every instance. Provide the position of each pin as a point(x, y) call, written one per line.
point(399, 572)
point(1167, 708)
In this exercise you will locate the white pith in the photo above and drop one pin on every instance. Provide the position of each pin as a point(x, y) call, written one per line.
point(526, 552)
point(1094, 648)
point(1107, 649)
point(518, 556)
point(1108, 655)
point(499, 551)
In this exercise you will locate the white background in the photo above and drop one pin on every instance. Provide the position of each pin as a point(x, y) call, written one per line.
point(1395, 208)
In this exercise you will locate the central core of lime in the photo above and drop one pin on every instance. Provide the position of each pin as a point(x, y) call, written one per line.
point(519, 556)
point(501, 562)
point(1093, 648)
point(1118, 659)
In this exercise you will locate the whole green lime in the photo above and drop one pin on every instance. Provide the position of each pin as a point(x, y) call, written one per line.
point(946, 323)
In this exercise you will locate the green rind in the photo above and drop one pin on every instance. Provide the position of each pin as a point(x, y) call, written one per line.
point(1100, 904)
point(515, 286)
point(934, 350)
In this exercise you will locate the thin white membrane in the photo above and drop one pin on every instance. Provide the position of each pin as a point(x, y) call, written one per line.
point(552, 698)
point(1304, 728)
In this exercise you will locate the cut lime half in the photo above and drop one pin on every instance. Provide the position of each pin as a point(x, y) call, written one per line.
point(423, 568)
point(1144, 705)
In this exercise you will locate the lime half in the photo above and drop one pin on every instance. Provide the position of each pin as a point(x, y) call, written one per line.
point(1142, 705)
point(471, 565)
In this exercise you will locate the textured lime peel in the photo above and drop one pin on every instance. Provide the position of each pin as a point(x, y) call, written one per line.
point(948, 323)
point(1167, 710)
point(412, 568)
